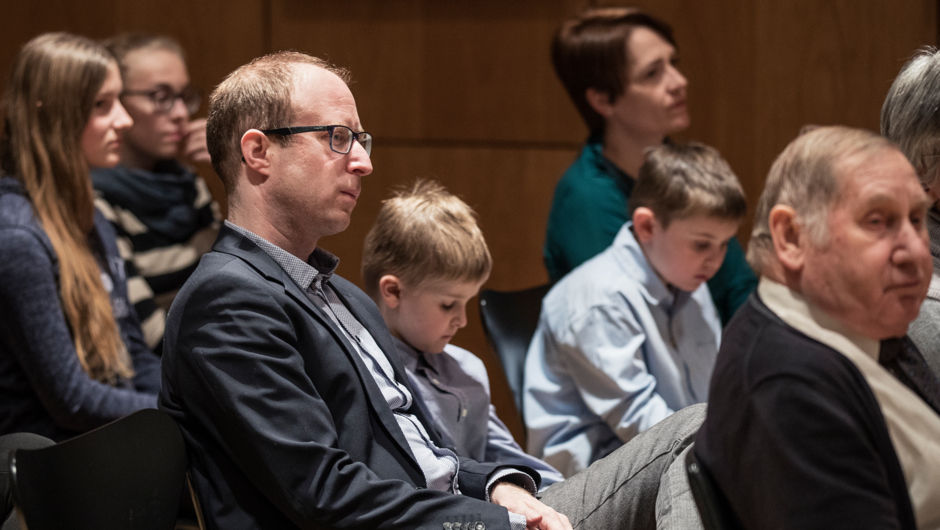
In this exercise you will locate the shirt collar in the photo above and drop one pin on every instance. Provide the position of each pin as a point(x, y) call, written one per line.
point(799, 314)
point(630, 256)
point(412, 358)
point(319, 266)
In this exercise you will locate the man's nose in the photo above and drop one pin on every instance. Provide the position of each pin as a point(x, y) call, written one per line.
point(913, 249)
point(360, 162)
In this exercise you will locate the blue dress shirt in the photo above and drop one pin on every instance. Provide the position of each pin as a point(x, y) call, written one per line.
point(615, 352)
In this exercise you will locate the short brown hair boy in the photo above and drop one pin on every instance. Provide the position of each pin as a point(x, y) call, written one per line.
point(679, 181)
point(424, 232)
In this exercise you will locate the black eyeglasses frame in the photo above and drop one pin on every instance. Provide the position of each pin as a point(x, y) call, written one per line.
point(192, 93)
point(357, 136)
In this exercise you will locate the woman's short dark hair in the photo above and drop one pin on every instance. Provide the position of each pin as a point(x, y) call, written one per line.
point(590, 51)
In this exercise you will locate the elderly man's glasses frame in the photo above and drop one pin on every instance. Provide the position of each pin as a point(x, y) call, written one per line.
point(341, 137)
point(163, 98)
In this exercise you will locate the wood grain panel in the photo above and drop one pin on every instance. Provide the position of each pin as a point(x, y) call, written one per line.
point(759, 71)
point(511, 191)
point(21, 21)
point(218, 36)
point(425, 69)
point(836, 70)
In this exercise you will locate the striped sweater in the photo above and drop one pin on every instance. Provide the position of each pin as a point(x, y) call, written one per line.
point(165, 221)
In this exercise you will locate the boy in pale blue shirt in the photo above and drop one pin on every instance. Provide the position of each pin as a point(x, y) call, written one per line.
point(631, 336)
point(423, 260)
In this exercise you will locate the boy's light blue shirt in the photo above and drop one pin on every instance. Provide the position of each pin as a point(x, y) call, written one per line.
point(615, 352)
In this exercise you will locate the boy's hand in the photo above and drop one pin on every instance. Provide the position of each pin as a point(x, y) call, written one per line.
point(537, 515)
point(194, 144)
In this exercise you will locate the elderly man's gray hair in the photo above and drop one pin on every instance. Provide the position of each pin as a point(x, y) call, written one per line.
point(804, 177)
point(910, 116)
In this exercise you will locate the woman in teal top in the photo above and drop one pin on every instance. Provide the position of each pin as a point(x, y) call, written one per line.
point(619, 67)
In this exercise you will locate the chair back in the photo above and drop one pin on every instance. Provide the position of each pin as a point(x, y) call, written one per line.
point(712, 505)
point(128, 474)
point(509, 321)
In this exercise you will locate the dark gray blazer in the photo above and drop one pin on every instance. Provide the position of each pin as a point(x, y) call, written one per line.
point(284, 425)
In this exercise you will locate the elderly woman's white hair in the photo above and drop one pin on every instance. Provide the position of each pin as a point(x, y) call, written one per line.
point(910, 116)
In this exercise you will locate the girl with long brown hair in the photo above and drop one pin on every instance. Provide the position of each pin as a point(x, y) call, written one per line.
point(72, 356)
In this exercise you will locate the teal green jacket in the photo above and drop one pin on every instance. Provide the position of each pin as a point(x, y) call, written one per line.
point(590, 206)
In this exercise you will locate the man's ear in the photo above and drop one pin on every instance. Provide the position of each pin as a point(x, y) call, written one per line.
point(390, 290)
point(599, 101)
point(254, 146)
point(644, 224)
point(789, 241)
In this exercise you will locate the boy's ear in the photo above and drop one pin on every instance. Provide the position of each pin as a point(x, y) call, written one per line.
point(599, 101)
point(789, 241)
point(390, 290)
point(644, 224)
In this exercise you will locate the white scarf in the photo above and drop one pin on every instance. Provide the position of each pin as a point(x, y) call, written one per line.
point(913, 426)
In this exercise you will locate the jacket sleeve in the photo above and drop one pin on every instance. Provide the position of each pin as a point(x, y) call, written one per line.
point(237, 369)
point(35, 330)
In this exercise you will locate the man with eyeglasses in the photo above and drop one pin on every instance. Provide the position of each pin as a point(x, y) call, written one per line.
point(163, 212)
point(295, 408)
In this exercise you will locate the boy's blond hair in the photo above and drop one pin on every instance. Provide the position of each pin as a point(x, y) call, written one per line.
point(679, 181)
point(424, 233)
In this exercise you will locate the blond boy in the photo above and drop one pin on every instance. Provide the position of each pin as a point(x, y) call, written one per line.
point(631, 336)
point(424, 259)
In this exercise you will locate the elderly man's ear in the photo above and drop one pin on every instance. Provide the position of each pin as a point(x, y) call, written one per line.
point(789, 241)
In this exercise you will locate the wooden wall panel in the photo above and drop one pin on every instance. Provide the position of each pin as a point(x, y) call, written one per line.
point(442, 71)
point(218, 36)
point(836, 70)
point(759, 71)
point(21, 21)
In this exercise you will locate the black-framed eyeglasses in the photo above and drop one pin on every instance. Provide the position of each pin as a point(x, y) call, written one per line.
point(341, 137)
point(163, 98)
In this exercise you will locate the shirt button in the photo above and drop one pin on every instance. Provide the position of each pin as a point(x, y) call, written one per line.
point(435, 381)
point(463, 412)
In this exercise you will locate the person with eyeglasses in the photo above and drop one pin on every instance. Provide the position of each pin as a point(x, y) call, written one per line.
point(284, 379)
point(163, 212)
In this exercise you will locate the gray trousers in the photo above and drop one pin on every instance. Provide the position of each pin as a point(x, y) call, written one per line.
point(620, 490)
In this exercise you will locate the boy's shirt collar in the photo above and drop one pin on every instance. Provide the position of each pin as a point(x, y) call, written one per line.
point(631, 258)
point(413, 358)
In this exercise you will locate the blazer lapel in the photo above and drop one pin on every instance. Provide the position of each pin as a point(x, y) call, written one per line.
point(382, 337)
point(379, 334)
point(231, 242)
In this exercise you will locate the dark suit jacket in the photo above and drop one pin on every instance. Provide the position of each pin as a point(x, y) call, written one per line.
point(284, 424)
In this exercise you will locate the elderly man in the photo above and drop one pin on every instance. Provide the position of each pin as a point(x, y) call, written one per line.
point(805, 428)
point(910, 117)
point(296, 411)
